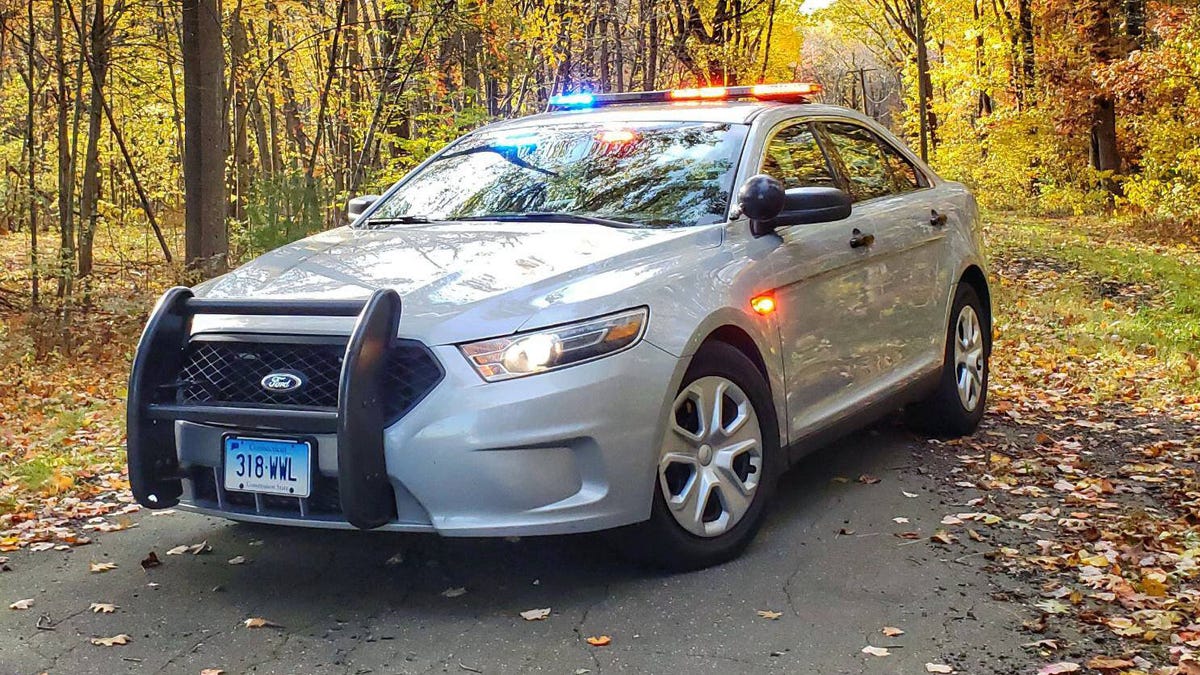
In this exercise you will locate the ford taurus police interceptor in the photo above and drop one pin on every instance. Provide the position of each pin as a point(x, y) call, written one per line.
point(634, 311)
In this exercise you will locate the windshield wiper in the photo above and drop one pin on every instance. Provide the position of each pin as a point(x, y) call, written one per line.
point(401, 220)
point(550, 217)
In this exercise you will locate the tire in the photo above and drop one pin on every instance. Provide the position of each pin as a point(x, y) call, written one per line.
point(665, 540)
point(949, 412)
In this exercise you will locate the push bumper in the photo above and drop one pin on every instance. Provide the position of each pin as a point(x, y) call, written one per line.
point(155, 472)
point(565, 451)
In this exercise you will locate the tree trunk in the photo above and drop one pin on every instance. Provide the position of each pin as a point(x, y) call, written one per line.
point(1025, 33)
point(1104, 151)
point(238, 47)
point(66, 173)
point(90, 196)
point(923, 81)
point(1135, 22)
point(651, 72)
point(983, 107)
point(30, 143)
point(205, 241)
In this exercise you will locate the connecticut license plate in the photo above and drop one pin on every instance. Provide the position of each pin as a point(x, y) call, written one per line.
point(270, 466)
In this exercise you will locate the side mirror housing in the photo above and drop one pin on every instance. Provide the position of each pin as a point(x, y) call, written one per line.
point(358, 205)
point(806, 205)
point(764, 200)
point(761, 199)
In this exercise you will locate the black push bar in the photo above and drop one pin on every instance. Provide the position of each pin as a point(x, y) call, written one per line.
point(155, 476)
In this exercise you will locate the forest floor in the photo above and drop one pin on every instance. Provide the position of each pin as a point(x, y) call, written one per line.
point(1064, 537)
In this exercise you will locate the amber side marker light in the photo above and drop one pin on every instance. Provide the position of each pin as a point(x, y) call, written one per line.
point(762, 304)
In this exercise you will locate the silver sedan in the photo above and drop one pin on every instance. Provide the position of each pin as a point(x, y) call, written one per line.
point(632, 312)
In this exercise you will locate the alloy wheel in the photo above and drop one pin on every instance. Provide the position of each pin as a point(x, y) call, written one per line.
point(968, 358)
point(712, 460)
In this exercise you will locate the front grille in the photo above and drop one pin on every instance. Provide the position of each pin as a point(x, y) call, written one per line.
point(230, 372)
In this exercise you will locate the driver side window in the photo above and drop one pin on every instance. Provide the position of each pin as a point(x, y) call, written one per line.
point(795, 158)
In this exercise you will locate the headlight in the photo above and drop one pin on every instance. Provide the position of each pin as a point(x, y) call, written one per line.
point(539, 351)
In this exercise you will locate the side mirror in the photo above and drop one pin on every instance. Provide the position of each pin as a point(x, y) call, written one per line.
point(814, 205)
point(761, 199)
point(358, 205)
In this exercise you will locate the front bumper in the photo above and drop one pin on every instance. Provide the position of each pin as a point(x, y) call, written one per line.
point(565, 451)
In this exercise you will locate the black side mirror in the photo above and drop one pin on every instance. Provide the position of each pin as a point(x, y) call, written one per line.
point(761, 199)
point(813, 205)
point(358, 205)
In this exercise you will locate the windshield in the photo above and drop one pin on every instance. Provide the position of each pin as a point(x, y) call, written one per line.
point(663, 174)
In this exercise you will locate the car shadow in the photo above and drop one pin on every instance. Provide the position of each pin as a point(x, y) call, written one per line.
point(294, 570)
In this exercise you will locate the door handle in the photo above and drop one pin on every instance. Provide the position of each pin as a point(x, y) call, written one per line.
point(858, 239)
point(937, 219)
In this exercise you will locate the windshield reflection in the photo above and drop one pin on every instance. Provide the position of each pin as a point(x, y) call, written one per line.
point(664, 174)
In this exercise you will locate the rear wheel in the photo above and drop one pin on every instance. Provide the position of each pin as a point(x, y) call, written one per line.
point(957, 406)
point(718, 460)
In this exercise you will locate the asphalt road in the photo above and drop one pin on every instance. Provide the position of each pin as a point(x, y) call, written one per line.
point(828, 559)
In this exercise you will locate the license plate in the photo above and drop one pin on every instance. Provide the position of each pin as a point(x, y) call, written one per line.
point(269, 466)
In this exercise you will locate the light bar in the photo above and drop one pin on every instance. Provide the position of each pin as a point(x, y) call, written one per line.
point(577, 100)
point(790, 92)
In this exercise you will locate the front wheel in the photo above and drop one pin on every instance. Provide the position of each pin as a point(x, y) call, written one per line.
point(957, 407)
point(717, 464)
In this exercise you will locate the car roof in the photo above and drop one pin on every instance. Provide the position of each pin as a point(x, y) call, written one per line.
point(729, 112)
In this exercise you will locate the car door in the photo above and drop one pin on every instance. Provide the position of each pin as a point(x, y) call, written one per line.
point(824, 289)
point(903, 293)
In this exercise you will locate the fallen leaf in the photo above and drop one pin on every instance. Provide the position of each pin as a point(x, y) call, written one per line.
point(202, 547)
point(944, 537)
point(454, 592)
point(599, 641)
point(909, 535)
point(151, 561)
point(1059, 668)
point(891, 631)
point(1108, 663)
point(1052, 606)
point(22, 604)
point(875, 651)
point(97, 568)
point(212, 671)
point(768, 614)
point(910, 495)
point(900, 520)
point(1037, 625)
point(237, 560)
point(259, 622)
point(845, 532)
point(397, 559)
point(102, 608)
point(535, 614)
point(868, 479)
point(937, 668)
point(121, 639)
point(178, 550)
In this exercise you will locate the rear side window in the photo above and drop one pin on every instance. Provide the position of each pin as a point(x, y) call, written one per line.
point(873, 168)
point(795, 158)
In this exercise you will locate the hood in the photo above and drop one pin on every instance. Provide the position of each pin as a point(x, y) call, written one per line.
point(459, 281)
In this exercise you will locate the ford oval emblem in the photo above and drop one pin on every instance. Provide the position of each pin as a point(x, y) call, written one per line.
point(281, 383)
